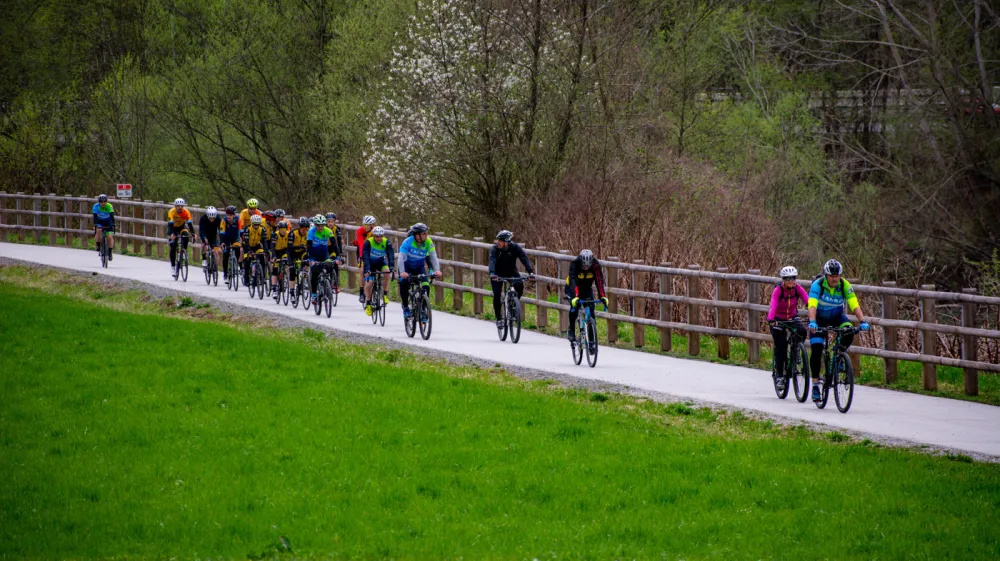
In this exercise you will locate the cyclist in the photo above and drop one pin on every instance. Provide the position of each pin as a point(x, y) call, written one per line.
point(254, 244)
point(297, 246)
point(318, 245)
point(230, 232)
point(178, 220)
point(376, 256)
point(249, 211)
point(827, 297)
point(584, 275)
point(279, 241)
point(269, 222)
point(785, 301)
point(363, 233)
point(336, 246)
point(415, 253)
point(104, 221)
point(503, 263)
point(208, 231)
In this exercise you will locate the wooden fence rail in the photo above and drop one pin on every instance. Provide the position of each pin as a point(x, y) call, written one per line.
point(641, 295)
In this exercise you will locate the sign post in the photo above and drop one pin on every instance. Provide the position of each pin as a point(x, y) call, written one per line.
point(124, 190)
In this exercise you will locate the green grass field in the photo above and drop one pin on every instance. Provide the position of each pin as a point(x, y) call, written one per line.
point(139, 435)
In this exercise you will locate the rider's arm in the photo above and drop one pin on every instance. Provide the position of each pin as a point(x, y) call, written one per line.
point(390, 255)
point(814, 294)
point(599, 279)
point(400, 258)
point(571, 279)
point(852, 301)
point(493, 261)
point(775, 298)
point(366, 250)
point(203, 227)
point(95, 215)
point(524, 259)
point(433, 258)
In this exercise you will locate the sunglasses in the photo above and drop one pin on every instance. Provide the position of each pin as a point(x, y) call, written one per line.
point(788, 278)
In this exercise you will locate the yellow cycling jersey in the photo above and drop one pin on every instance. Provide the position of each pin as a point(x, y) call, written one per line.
point(256, 236)
point(281, 240)
point(299, 238)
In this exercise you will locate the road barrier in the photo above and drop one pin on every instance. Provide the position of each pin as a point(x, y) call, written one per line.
point(687, 299)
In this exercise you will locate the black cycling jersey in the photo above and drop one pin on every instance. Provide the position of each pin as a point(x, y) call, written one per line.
point(503, 262)
point(209, 229)
point(581, 281)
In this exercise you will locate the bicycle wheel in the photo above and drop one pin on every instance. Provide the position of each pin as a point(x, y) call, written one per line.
point(184, 265)
point(318, 304)
point(576, 347)
point(293, 295)
point(261, 282)
point(780, 384)
point(304, 294)
point(843, 382)
point(327, 297)
point(800, 372)
point(251, 285)
point(215, 270)
point(514, 318)
point(286, 291)
point(336, 289)
point(376, 299)
point(592, 342)
point(824, 391)
point(503, 327)
point(425, 318)
point(207, 270)
point(104, 251)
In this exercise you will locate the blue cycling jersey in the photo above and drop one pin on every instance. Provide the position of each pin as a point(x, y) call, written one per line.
point(319, 250)
point(103, 212)
point(413, 255)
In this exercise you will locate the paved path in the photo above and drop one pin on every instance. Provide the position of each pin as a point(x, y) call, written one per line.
point(966, 426)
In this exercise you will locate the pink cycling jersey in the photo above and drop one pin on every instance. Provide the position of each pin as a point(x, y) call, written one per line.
point(785, 302)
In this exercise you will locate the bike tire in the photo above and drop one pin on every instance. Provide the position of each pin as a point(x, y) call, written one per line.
point(286, 291)
point(576, 348)
point(780, 385)
point(410, 324)
point(514, 319)
point(104, 251)
point(327, 298)
point(376, 300)
point(336, 289)
point(215, 270)
point(843, 383)
point(207, 271)
point(425, 319)
point(824, 392)
point(800, 372)
point(261, 283)
point(305, 295)
point(294, 294)
point(184, 266)
point(503, 328)
point(318, 305)
point(592, 346)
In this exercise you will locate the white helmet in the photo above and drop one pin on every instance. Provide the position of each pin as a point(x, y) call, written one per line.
point(256, 219)
point(378, 231)
point(586, 258)
point(211, 212)
point(833, 267)
point(369, 220)
point(319, 220)
point(179, 202)
point(788, 271)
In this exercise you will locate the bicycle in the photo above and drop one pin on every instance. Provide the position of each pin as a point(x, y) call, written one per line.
point(796, 364)
point(181, 261)
point(420, 307)
point(105, 250)
point(256, 286)
point(587, 327)
point(282, 290)
point(235, 272)
point(211, 268)
point(301, 289)
point(837, 367)
point(510, 307)
point(378, 301)
point(324, 290)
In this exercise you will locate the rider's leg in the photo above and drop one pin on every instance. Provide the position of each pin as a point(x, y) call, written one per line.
point(404, 292)
point(97, 238)
point(173, 252)
point(386, 281)
point(313, 279)
point(111, 240)
point(497, 287)
point(368, 290)
point(780, 350)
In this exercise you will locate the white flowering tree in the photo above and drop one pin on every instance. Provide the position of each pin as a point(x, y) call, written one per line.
point(477, 105)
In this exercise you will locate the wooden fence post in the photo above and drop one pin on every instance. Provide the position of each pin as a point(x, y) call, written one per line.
point(694, 311)
point(18, 207)
point(146, 213)
point(970, 344)
point(68, 220)
point(639, 306)
point(195, 246)
point(722, 314)
point(928, 339)
point(50, 204)
point(457, 296)
point(352, 256)
point(36, 205)
point(563, 269)
point(889, 334)
point(137, 229)
point(753, 318)
point(612, 282)
point(666, 310)
point(477, 276)
point(541, 292)
point(85, 238)
point(161, 230)
point(438, 289)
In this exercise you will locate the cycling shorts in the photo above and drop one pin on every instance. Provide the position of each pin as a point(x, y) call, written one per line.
point(105, 225)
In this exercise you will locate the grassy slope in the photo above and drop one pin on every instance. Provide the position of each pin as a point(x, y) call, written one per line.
point(122, 434)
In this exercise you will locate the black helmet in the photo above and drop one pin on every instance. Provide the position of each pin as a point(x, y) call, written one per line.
point(419, 228)
point(331, 216)
point(304, 222)
point(102, 199)
point(833, 267)
point(230, 209)
point(505, 236)
point(279, 213)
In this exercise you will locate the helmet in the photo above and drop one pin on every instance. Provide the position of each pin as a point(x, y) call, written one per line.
point(230, 209)
point(179, 202)
point(282, 224)
point(369, 220)
point(789, 271)
point(102, 199)
point(833, 267)
point(269, 216)
point(419, 228)
point(378, 231)
point(319, 219)
point(505, 235)
point(255, 219)
point(587, 258)
point(279, 213)
point(252, 203)
point(211, 212)
point(303, 222)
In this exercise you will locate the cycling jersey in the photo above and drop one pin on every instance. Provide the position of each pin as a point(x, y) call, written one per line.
point(319, 243)
point(245, 215)
point(230, 230)
point(280, 240)
point(580, 281)
point(208, 229)
point(255, 236)
point(104, 215)
point(413, 255)
point(377, 255)
point(179, 218)
point(503, 262)
point(360, 237)
point(829, 302)
point(785, 302)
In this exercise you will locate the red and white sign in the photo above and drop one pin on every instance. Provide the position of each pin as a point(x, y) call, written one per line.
point(124, 190)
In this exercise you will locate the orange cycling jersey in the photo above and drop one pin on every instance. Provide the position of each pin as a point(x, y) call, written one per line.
point(179, 218)
point(245, 215)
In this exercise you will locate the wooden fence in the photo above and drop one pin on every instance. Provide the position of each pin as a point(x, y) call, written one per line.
point(669, 298)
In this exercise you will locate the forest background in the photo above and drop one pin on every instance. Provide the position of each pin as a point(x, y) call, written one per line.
point(721, 132)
